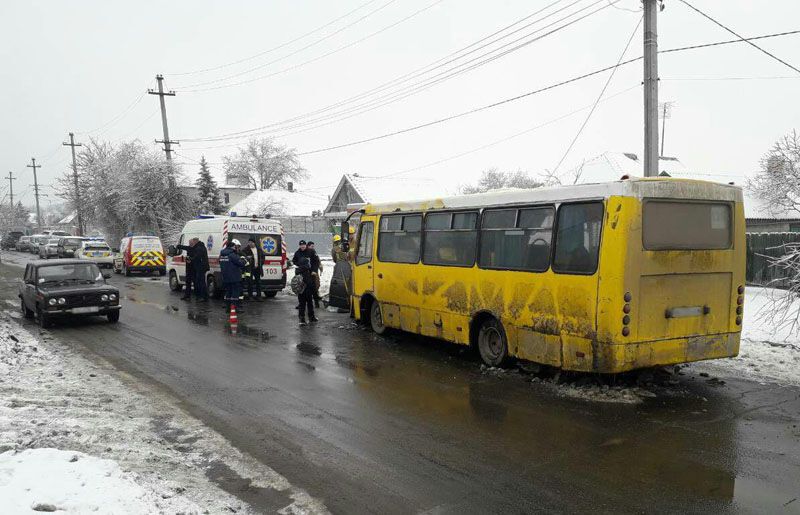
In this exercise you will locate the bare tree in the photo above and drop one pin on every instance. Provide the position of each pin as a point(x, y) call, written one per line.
point(777, 184)
point(264, 165)
point(494, 179)
point(572, 176)
point(778, 181)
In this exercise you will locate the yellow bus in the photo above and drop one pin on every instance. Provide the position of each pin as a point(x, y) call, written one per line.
point(598, 277)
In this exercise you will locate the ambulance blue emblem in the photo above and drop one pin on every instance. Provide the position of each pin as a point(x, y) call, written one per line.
point(210, 242)
point(269, 245)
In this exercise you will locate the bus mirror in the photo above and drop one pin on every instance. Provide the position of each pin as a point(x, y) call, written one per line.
point(172, 251)
point(345, 235)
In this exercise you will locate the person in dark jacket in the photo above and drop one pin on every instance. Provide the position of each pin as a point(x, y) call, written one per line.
point(200, 265)
point(307, 297)
point(301, 252)
point(187, 287)
point(255, 258)
point(316, 267)
point(231, 266)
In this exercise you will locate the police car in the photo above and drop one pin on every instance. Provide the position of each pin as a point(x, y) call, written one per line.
point(214, 231)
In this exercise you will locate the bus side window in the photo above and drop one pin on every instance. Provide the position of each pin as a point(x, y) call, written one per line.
point(364, 254)
point(578, 238)
point(399, 238)
point(450, 239)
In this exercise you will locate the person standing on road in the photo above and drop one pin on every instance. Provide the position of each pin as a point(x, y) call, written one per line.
point(231, 266)
point(200, 265)
point(187, 288)
point(255, 258)
point(316, 268)
point(306, 298)
point(301, 252)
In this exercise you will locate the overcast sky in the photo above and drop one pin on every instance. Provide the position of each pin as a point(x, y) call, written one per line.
point(76, 66)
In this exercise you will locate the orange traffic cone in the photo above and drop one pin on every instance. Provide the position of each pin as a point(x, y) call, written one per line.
point(233, 319)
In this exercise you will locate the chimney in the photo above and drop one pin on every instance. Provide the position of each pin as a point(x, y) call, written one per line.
point(290, 186)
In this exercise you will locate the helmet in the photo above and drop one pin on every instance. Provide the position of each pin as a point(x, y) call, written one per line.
point(336, 238)
point(236, 242)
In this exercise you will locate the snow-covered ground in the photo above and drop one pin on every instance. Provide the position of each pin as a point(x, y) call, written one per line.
point(767, 353)
point(78, 436)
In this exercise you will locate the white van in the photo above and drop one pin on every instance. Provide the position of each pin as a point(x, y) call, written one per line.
point(214, 231)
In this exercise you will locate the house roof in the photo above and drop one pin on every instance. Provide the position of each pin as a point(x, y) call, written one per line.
point(757, 209)
point(389, 189)
point(279, 203)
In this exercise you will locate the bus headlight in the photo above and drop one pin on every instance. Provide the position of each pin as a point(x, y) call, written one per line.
point(104, 297)
point(52, 302)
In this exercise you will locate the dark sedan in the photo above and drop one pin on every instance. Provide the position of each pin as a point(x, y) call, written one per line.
point(64, 288)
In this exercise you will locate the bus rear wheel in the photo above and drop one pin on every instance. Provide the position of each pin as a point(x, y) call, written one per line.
point(492, 343)
point(376, 318)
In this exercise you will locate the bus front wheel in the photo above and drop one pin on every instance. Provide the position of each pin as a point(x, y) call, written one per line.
point(492, 343)
point(376, 318)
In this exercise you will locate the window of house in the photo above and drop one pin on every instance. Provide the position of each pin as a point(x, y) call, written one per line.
point(516, 239)
point(399, 238)
point(578, 238)
point(450, 239)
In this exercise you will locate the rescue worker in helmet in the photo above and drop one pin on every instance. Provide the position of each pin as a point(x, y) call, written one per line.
point(231, 265)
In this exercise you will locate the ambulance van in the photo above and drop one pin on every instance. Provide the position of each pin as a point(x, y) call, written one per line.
point(214, 231)
point(141, 253)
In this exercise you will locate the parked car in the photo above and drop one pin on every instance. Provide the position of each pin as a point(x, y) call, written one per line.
point(49, 249)
point(66, 287)
point(68, 245)
point(98, 252)
point(10, 239)
point(23, 244)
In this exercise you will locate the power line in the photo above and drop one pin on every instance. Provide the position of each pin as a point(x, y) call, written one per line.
point(599, 97)
point(738, 36)
point(278, 47)
point(304, 63)
point(775, 77)
point(519, 97)
point(117, 118)
point(417, 87)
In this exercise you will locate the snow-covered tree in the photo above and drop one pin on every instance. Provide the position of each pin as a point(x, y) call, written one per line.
point(128, 188)
point(494, 179)
point(208, 199)
point(264, 165)
point(777, 184)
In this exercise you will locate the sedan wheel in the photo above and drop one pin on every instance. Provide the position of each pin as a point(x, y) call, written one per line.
point(27, 313)
point(43, 319)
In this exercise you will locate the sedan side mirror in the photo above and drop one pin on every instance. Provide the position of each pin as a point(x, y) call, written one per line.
point(172, 250)
point(106, 275)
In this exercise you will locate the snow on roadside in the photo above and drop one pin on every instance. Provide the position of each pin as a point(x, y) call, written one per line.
point(55, 400)
point(37, 480)
point(766, 353)
point(324, 280)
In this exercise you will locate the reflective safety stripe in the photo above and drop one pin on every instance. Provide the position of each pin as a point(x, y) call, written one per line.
point(147, 258)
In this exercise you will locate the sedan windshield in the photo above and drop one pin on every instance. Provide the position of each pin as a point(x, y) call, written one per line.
point(72, 242)
point(74, 272)
point(97, 247)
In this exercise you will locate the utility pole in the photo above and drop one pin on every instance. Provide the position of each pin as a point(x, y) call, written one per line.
point(11, 180)
point(36, 192)
point(161, 94)
point(650, 87)
point(75, 180)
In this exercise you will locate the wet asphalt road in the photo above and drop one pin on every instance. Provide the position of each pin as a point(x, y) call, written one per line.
point(403, 424)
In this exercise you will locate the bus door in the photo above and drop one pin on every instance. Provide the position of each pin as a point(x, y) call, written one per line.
point(363, 280)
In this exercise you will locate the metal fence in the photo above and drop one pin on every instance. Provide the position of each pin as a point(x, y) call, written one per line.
point(762, 248)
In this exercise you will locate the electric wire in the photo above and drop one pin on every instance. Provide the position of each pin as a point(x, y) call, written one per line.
point(278, 47)
point(417, 87)
point(187, 89)
point(599, 97)
point(117, 118)
point(738, 36)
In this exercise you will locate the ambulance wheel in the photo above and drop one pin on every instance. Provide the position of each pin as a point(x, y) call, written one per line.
point(492, 343)
point(174, 285)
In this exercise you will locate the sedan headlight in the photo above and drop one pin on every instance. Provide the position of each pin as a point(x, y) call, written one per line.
point(112, 297)
point(52, 302)
point(104, 297)
point(62, 300)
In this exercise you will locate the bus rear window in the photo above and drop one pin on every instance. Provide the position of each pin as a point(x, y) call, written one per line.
point(669, 225)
